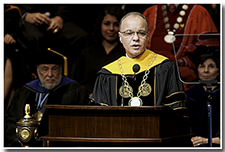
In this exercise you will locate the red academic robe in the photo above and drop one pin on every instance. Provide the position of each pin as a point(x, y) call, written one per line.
point(197, 20)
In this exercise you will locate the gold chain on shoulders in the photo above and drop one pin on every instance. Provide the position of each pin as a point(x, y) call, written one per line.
point(145, 77)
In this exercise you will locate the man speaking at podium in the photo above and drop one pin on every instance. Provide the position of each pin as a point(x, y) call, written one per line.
point(142, 77)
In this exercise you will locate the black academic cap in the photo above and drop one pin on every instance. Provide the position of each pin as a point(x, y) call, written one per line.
point(49, 56)
point(51, 51)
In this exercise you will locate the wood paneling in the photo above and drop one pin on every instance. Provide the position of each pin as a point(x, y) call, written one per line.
point(114, 124)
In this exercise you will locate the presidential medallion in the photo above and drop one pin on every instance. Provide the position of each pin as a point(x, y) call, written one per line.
point(146, 89)
point(170, 38)
point(124, 91)
point(135, 101)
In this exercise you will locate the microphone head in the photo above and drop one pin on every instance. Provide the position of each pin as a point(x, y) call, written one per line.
point(136, 68)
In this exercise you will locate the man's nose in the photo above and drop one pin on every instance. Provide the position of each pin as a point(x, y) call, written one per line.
point(50, 73)
point(135, 36)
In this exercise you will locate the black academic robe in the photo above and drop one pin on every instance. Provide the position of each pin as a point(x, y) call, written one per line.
point(198, 111)
point(166, 88)
point(16, 52)
point(68, 92)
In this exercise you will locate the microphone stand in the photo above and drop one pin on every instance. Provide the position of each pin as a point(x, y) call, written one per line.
point(209, 85)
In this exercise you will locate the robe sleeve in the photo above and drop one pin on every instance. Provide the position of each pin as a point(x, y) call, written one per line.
point(76, 95)
point(105, 89)
point(69, 94)
point(169, 89)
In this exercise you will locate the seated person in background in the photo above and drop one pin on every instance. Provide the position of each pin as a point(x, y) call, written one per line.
point(167, 20)
point(207, 68)
point(107, 47)
point(51, 88)
point(16, 69)
point(142, 77)
point(54, 21)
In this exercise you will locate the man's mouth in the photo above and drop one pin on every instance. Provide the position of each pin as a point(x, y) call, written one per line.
point(136, 46)
point(50, 81)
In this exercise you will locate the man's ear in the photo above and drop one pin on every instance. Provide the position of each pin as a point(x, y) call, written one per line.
point(120, 37)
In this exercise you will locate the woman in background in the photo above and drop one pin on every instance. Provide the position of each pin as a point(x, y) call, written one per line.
point(106, 48)
point(207, 68)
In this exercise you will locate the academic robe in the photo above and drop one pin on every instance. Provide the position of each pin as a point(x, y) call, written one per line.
point(197, 20)
point(198, 112)
point(16, 52)
point(68, 92)
point(166, 88)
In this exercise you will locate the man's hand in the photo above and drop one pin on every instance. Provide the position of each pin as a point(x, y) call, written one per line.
point(37, 19)
point(56, 24)
point(8, 39)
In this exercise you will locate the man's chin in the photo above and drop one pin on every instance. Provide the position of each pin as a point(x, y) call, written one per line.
point(136, 53)
point(49, 86)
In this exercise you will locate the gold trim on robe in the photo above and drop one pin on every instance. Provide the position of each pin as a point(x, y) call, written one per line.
point(127, 63)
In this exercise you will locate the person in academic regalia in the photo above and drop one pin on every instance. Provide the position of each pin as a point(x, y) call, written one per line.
point(52, 87)
point(53, 21)
point(107, 47)
point(185, 22)
point(16, 67)
point(207, 69)
point(142, 77)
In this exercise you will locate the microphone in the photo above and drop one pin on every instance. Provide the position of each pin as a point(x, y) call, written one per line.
point(136, 68)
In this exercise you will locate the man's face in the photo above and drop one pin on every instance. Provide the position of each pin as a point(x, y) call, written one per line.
point(50, 75)
point(134, 43)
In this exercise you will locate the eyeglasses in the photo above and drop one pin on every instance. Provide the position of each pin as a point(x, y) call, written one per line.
point(45, 70)
point(130, 33)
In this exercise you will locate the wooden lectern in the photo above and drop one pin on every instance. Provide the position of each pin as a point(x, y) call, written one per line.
point(116, 126)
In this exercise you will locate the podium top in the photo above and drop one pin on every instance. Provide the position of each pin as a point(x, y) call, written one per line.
point(87, 107)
